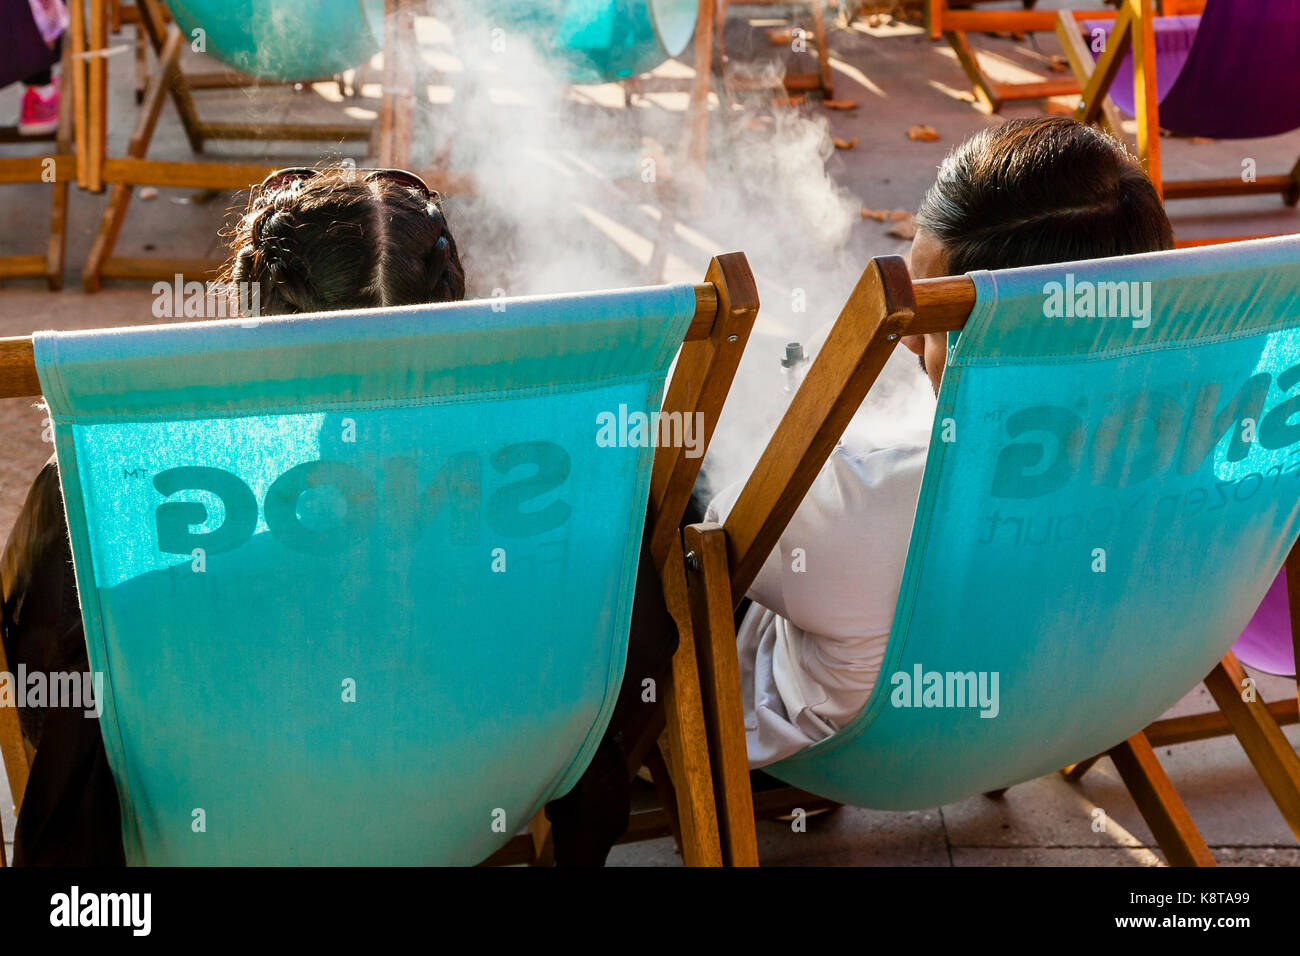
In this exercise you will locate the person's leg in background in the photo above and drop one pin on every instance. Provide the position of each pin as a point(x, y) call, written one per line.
point(588, 820)
point(39, 113)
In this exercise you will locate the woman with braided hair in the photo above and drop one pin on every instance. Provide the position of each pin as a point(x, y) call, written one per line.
point(326, 240)
point(312, 240)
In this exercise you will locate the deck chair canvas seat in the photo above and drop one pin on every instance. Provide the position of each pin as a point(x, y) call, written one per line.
point(1266, 643)
point(1073, 566)
point(360, 584)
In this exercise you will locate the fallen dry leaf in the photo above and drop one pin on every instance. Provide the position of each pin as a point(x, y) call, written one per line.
point(780, 36)
point(844, 143)
point(922, 132)
point(905, 229)
point(1201, 140)
point(882, 215)
point(840, 104)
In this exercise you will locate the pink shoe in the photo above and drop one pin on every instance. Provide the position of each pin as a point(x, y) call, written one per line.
point(40, 114)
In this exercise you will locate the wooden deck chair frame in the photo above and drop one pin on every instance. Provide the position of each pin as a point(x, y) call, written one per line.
point(1241, 711)
point(95, 169)
point(943, 22)
point(674, 745)
point(58, 170)
point(723, 560)
point(1134, 31)
point(821, 81)
point(726, 307)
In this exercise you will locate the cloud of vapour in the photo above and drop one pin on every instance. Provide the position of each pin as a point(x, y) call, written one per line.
point(576, 190)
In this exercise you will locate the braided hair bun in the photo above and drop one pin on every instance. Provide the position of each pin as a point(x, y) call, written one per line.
point(336, 242)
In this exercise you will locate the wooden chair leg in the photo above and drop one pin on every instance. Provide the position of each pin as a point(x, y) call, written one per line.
point(115, 213)
point(1082, 65)
point(156, 23)
point(403, 54)
point(97, 68)
point(697, 134)
point(58, 242)
point(662, 779)
point(1101, 74)
point(75, 82)
point(1159, 803)
point(1291, 194)
point(539, 828)
point(388, 87)
point(1271, 753)
point(712, 619)
point(1146, 98)
point(823, 50)
point(720, 30)
point(688, 744)
point(1074, 773)
point(934, 18)
point(985, 92)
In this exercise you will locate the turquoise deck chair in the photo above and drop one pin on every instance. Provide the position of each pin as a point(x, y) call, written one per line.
point(1106, 500)
point(359, 584)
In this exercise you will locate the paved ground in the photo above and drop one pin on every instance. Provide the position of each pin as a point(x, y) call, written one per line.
point(563, 205)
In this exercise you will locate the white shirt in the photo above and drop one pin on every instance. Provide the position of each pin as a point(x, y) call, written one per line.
point(811, 645)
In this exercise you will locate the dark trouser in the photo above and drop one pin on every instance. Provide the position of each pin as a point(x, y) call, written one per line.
point(588, 820)
point(70, 814)
point(46, 76)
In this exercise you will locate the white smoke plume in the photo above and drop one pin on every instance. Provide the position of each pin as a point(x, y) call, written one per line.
point(575, 190)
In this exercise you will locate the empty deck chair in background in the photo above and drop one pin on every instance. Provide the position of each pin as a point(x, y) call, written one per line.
point(360, 584)
point(821, 81)
point(944, 22)
point(1065, 544)
point(1228, 73)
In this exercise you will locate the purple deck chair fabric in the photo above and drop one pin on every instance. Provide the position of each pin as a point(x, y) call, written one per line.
point(1174, 36)
point(1265, 644)
point(1232, 77)
point(22, 51)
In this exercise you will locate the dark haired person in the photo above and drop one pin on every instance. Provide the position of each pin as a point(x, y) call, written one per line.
point(323, 241)
point(811, 643)
point(314, 241)
point(1028, 192)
